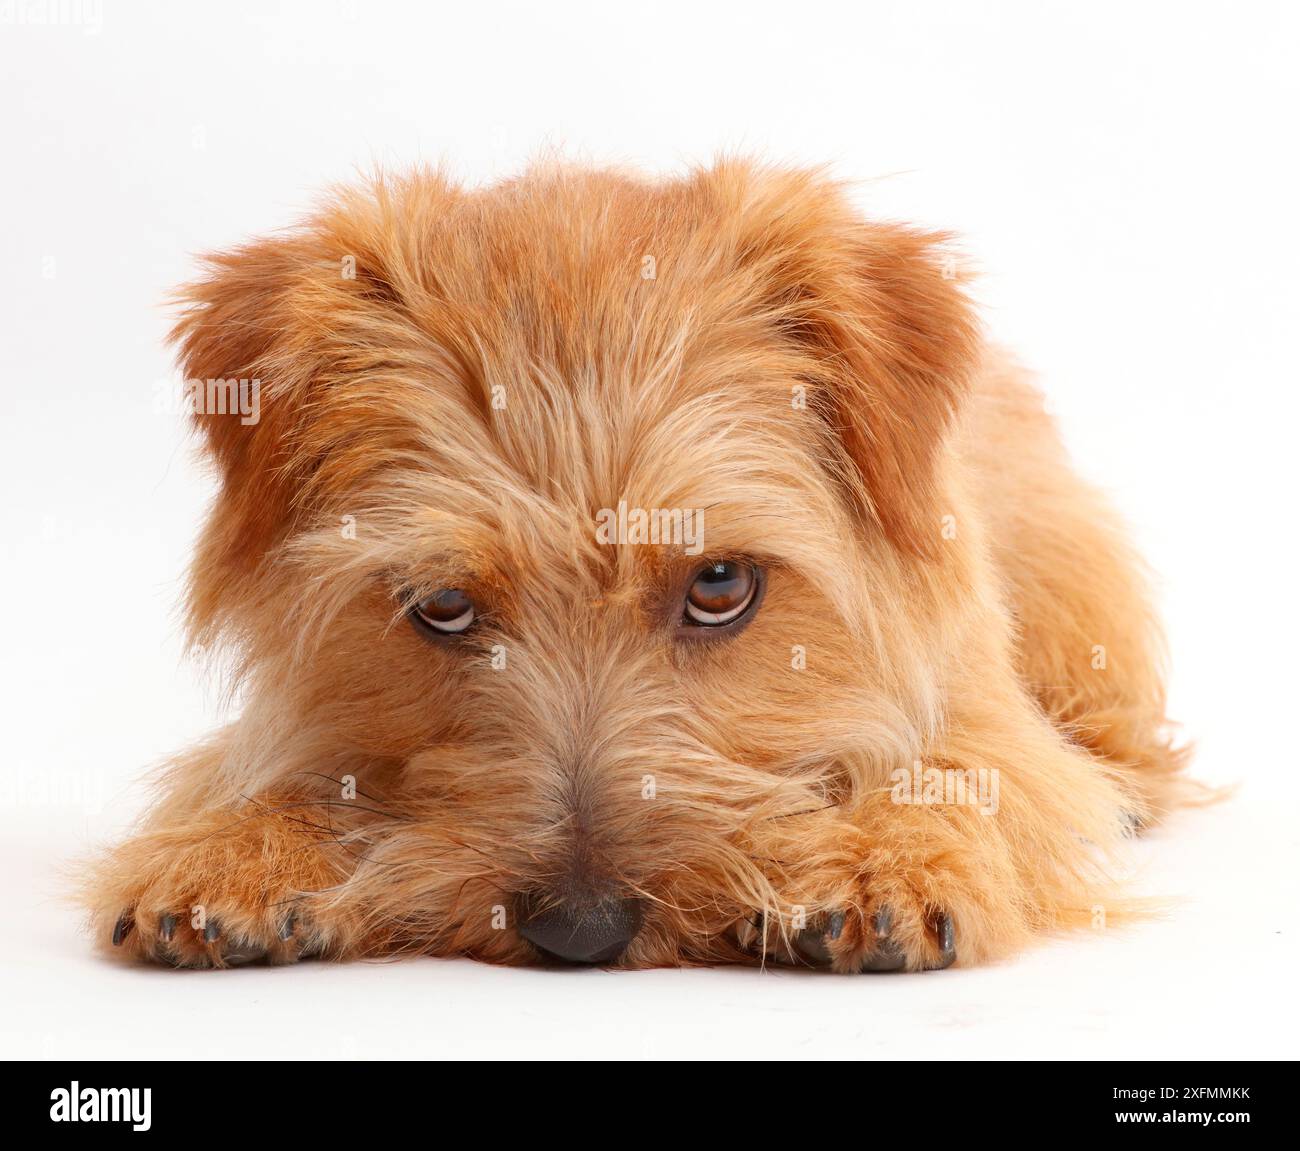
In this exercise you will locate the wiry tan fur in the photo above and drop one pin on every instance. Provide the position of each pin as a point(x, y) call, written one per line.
point(925, 543)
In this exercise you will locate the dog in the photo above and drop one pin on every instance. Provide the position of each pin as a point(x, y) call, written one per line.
point(637, 573)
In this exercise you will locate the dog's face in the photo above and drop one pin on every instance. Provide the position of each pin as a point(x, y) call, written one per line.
point(595, 528)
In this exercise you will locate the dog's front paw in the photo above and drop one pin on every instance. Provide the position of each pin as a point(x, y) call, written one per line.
point(223, 889)
point(855, 941)
point(203, 936)
point(916, 911)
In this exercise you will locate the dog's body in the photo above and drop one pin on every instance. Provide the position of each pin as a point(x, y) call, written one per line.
point(922, 594)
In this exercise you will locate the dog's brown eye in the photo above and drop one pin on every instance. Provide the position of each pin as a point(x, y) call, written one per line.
point(448, 611)
point(722, 593)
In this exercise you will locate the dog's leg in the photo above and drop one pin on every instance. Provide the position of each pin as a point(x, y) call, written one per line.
point(1088, 645)
point(218, 883)
point(999, 832)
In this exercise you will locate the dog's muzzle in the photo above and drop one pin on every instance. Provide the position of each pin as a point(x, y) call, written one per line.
point(579, 932)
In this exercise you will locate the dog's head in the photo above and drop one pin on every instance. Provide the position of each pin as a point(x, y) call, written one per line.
point(595, 527)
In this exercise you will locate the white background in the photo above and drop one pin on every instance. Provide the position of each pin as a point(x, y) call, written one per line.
point(1125, 177)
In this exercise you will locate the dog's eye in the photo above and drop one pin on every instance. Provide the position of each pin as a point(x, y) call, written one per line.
point(722, 593)
point(449, 611)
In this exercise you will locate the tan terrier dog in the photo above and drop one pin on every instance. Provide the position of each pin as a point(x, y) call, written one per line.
point(638, 574)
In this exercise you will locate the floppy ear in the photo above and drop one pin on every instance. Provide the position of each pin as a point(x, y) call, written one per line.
point(303, 314)
point(238, 334)
point(891, 336)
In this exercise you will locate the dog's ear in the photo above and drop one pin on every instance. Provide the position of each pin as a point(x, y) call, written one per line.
point(891, 335)
point(239, 339)
point(295, 317)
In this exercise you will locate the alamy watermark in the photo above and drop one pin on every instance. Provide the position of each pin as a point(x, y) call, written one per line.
point(682, 527)
point(951, 786)
point(242, 398)
point(74, 1103)
point(88, 15)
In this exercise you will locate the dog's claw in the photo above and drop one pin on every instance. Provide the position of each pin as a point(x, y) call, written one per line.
point(167, 928)
point(946, 935)
point(212, 931)
point(286, 928)
point(888, 956)
point(122, 928)
point(811, 944)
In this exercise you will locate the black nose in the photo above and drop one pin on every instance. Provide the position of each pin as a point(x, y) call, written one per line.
point(592, 931)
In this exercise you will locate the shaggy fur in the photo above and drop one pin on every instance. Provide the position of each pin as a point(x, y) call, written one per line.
point(500, 368)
